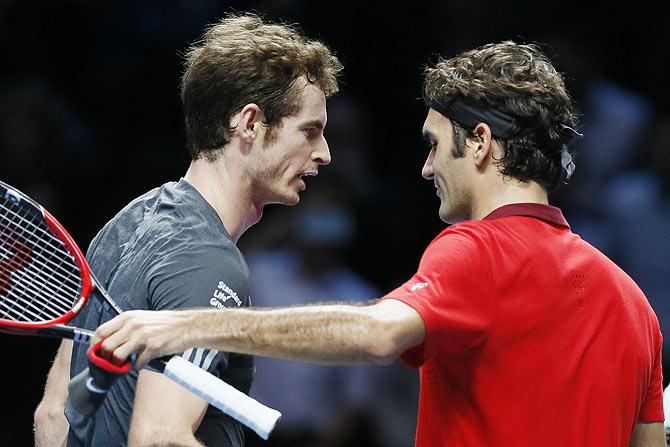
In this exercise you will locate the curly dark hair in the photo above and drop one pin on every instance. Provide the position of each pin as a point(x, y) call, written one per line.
point(520, 81)
point(244, 60)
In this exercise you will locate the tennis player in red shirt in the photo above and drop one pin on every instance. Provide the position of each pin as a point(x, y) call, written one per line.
point(523, 333)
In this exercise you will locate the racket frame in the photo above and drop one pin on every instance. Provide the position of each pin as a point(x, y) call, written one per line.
point(12, 195)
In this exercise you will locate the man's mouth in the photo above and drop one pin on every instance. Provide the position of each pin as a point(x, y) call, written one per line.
point(301, 177)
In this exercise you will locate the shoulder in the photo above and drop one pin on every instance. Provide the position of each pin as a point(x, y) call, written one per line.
point(463, 238)
point(179, 223)
point(469, 230)
point(123, 224)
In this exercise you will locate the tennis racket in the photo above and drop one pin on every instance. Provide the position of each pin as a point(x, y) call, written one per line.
point(45, 281)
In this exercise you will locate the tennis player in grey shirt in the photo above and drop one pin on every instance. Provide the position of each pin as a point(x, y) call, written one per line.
point(168, 249)
point(254, 97)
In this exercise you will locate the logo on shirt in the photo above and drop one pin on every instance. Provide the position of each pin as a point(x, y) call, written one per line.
point(418, 286)
point(223, 293)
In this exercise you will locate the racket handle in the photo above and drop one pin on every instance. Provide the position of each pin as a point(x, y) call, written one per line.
point(87, 390)
point(62, 331)
point(55, 331)
point(226, 398)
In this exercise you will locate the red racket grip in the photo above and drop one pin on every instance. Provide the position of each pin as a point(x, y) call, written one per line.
point(88, 389)
point(96, 359)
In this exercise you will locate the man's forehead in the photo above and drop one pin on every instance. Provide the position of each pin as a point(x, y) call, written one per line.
point(312, 93)
point(435, 123)
point(313, 104)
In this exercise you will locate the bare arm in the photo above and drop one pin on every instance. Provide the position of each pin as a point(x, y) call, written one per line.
point(648, 434)
point(51, 426)
point(164, 413)
point(328, 334)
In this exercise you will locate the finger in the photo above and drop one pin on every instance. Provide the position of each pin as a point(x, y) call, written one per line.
point(103, 331)
point(108, 328)
point(112, 343)
point(143, 359)
point(94, 340)
point(125, 350)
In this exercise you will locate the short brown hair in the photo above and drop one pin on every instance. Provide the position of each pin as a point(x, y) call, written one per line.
point(243, 60)
point(520, 81)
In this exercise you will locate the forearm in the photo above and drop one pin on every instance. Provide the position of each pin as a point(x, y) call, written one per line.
point(328, 334)
point(648, 434)
point(51, 427)
point(50, 424)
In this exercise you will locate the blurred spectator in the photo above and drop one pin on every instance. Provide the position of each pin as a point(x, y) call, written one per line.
point(640, 208)
point(614, 117)
point(303, 261)
point(303, 265)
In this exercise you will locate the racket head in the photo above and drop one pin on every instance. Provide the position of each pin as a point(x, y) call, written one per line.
point(44, 276)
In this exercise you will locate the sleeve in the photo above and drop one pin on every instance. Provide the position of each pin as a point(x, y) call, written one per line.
point(451, 293)
point(652, 406)
point(203, 276)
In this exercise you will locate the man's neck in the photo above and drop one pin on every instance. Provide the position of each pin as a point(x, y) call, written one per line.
point(506, 192)
point(226, 189)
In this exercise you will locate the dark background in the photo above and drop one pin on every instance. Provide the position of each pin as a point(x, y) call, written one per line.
point(90, 118)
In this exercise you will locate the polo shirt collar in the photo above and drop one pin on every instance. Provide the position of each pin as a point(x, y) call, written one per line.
point(547, 213)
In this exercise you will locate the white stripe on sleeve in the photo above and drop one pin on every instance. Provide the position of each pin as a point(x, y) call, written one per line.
point(198, 356)
point(187, 354)
point(208, 360)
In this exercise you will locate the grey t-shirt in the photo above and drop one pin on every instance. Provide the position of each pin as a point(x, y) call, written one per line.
point(167, 249)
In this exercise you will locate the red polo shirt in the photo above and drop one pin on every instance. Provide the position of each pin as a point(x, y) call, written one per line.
point(533, 337)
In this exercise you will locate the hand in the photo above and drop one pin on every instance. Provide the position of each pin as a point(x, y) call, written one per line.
point(147, 333)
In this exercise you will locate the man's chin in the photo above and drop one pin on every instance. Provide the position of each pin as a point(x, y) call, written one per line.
point(450, 216)
point(447, 216)
point(288, 199)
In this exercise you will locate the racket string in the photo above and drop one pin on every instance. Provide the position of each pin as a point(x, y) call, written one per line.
point(28, 218)
point(24, 307)
point(47, 238)
point(45, 235)
point(73, 280)
point(60, 284)
point(26, 286)
point(49, 283)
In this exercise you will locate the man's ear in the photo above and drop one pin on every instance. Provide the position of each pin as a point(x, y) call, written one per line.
point(482, 144)
point(247, 122)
